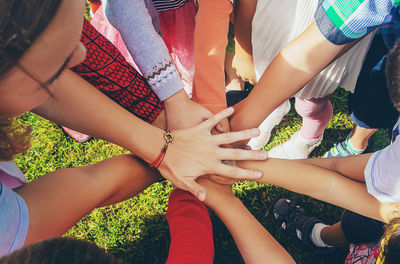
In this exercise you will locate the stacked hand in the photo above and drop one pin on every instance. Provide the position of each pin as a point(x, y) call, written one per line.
point(195, 152)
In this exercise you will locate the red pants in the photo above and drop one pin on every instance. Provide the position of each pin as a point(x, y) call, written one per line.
point(106, 69)
point(191, 230)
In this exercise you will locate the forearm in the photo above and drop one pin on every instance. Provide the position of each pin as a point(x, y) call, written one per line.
point(321, 184)
point(244, 13)
point(291, 69)
point(78, 105)
point(210, 40)
point(352, 167)
point(147, 48)
point(255, 243)
point(58, 200)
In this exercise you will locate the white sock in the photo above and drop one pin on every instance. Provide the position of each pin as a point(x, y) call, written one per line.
point(352, 148)
point(315, 235)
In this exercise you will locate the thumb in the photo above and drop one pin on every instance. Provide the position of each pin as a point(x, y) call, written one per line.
point(196, 189)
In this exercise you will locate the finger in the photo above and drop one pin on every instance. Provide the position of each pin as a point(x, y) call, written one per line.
point(232, 137)
point(196, 189)
point(222, 180)
point(220, 128)
point(241, 154)
point(237, 173)
point(217, 118)
point(247, 147)
point(239, 144)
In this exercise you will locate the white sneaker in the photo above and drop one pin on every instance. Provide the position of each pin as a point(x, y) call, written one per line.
point(267, 125)
point(294, 148)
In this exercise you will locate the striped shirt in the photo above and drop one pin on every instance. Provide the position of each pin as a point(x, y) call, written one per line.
point(342, 21)
point(165, 5)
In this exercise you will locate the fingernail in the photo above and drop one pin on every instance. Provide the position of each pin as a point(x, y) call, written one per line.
point(263, 154)
point(229, 110)
point(258, 174)
point(201, 196)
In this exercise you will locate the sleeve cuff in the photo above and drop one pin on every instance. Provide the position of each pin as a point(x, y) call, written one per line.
point(166, 84)
point(371, 182)
point(328, 29)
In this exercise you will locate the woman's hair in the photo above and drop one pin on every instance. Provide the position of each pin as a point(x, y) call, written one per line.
point(61, 251)
point(391, 243)
point(393, 75)
point(21, 23)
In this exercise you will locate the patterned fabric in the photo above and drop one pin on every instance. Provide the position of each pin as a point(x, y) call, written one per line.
point(106, 69)
point(396, 131)
point(165, 5)
point(342, 21)
point(363, 254)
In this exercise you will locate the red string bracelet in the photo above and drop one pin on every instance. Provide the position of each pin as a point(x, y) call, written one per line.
point(169, 138)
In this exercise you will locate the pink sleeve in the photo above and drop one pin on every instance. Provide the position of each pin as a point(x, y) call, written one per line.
point(191, 230)
point(210, 40)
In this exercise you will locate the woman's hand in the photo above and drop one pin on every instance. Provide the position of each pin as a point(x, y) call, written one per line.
point(195, 152)
point(217, 193)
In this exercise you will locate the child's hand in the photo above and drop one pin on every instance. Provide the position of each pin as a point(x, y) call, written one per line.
point(244, 65)
point(216, 193)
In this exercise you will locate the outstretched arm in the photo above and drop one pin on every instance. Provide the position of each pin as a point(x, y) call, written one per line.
point(291, 69)
point(56, 201)
point(78, 105)
point(254, 242)
point(323, 184)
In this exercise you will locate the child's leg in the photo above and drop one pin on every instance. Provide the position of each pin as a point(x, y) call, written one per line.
point(352, 229)
point(316, 114)
point(58, 200)
point(360, 136)
point(191, 230)
point(369, 106)
point(268, 124)
point(332, 235)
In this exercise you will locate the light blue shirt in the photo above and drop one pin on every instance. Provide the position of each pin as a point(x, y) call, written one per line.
point(14, 220)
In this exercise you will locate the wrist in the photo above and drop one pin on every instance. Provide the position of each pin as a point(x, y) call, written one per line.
point(176, 99)
point(147, 143)
point(169, 138)
point(219, 199)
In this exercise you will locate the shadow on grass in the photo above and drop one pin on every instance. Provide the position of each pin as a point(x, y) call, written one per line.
point(153, 245)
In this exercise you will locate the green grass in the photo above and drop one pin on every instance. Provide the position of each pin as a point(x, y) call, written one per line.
point(136, 230)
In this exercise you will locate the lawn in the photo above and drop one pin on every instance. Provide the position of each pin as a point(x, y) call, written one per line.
point(136, 230)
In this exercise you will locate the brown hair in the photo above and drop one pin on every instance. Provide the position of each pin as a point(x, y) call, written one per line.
point(393, 75)
point(21, 23)
point(61, 251)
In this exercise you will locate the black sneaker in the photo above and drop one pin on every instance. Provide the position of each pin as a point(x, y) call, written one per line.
point(293, 219)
